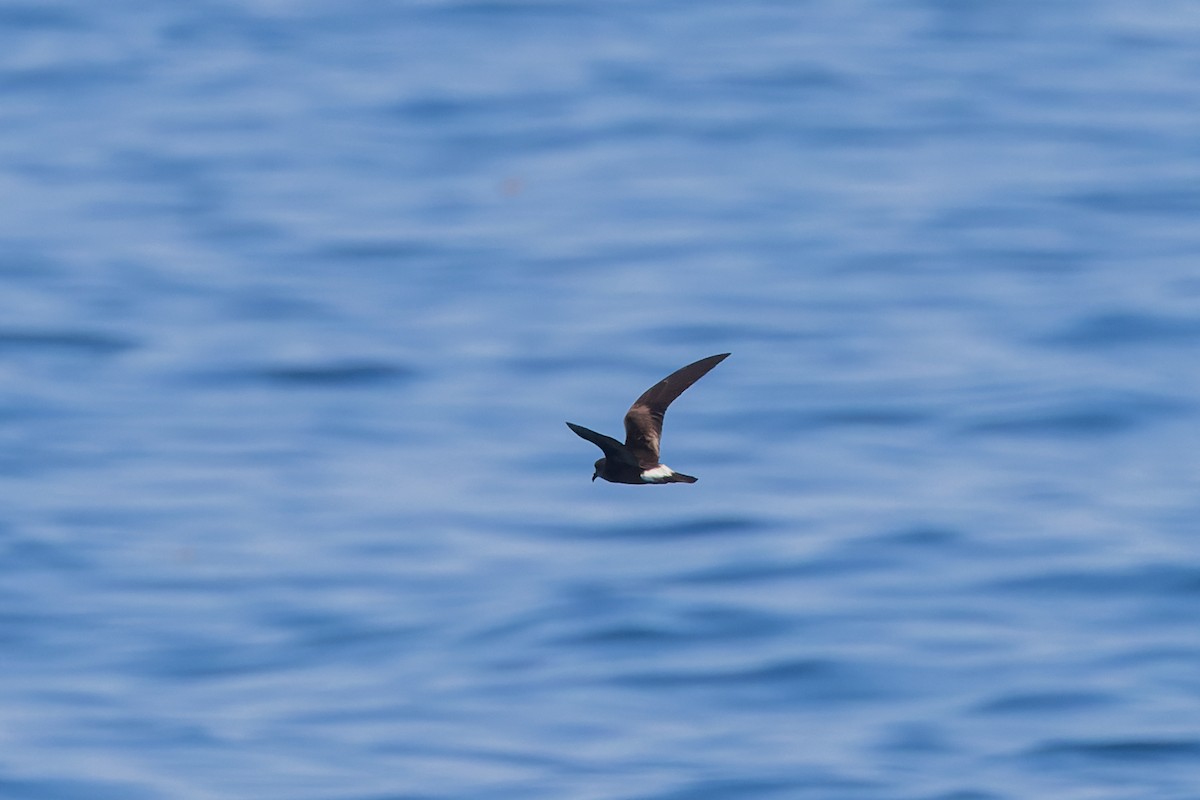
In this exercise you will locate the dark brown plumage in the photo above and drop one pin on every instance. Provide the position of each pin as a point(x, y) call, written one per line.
point(637, 460)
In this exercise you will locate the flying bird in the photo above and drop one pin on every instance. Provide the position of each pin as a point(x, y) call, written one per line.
point(636, 461)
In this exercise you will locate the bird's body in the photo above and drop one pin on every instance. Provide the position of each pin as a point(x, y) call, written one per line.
point(637, 460)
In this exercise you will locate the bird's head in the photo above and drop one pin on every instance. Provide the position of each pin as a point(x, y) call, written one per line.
point(599, 469)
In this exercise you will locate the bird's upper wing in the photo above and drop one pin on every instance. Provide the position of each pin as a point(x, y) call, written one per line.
point(643, 421)
point(613, 450)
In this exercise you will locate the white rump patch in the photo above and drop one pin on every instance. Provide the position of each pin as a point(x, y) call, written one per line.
point(657, 474)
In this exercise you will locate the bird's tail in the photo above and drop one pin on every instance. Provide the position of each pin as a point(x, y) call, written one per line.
point(679, 477)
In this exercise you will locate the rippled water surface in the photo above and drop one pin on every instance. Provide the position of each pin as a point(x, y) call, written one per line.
point(298, 295)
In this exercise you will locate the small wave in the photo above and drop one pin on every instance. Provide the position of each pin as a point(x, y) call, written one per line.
point(1150, 580)
point(387, 250)
point(683, 529)
point(66, 789)
point(34, 17)
point(731, 788)
point(806, 680)
point(786, 422)
point(803, 670)
point(81, 343)
point(1155, 200)
point(1074, 417)
point(1064, 422)
point(334, 374)
point(748, 571)
point(712, 624)
point(338, 373)
point(1127, 329)
point(1051, 702)
point(1121, 750)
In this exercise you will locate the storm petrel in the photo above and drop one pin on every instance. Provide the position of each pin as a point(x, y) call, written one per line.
point(636, 461)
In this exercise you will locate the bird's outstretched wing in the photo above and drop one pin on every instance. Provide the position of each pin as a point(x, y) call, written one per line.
point(613, 450)
point(643, 421)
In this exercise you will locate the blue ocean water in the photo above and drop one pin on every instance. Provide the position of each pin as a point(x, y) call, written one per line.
point(297, 295)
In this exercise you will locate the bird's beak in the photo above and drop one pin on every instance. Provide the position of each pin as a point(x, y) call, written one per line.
point(594, 474)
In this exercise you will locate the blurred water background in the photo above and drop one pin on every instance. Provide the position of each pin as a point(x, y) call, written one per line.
point(297, 295)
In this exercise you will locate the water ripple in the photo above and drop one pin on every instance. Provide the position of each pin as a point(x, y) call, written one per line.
point(818, 681)
point(334, 374)
point(1099, 414)
point(1138, 751)
point(683, 529)
point(68, 342)
point(1049, 702)
point(1128, 329)
point(65, 789)
point(1147, 580)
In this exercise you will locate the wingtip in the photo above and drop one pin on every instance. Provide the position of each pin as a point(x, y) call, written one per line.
point(712, 361)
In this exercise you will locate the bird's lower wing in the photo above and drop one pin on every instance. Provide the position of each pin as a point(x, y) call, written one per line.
point(613, 449)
